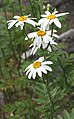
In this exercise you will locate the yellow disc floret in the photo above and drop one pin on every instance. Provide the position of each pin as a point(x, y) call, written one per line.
point(52, 16)
point(41, 33)
point(22, 18)
point(36, 64)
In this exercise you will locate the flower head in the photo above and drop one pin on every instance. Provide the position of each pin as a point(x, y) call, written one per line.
point(39, 67)
point(49, 18)
point(42, 39)
point(20, 20)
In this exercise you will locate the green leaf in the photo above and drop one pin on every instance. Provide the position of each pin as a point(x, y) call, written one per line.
point(59, 117)
point(66, 115)
point(10, 108)
point(72, 114)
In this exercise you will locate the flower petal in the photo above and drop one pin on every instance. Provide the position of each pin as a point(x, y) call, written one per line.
point(47, 62)
point(41, 21)
point(11, 24)
point(55, 35)
point(41, 59)
point(47, 13)
point(43, 70)
point(31, 35)
point(34, 74)
point(16, 17)
point(44, 45)
point(49, 48)
point(55, 12)
point(43, 15)
point(46, 39)
point(61, 14)
point(39, 72)
point(30, 74)
point(30, 22)
point(48, 68)
point(57, 23)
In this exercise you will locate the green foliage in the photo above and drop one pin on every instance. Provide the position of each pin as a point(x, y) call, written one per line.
point(66, 115)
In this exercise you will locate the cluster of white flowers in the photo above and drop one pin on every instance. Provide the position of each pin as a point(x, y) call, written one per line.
point(43, 37)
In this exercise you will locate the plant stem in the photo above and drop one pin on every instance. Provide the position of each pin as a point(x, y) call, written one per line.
point(50, 98)
point(32, 7)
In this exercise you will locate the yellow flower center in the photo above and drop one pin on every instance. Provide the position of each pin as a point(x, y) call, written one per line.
point(22, 18)
point(37, 64)
point(41, 33)
point(51, 16)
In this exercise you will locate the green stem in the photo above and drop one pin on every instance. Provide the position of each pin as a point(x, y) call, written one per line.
point(32, 7)
point(19, 1)
point(50, 98)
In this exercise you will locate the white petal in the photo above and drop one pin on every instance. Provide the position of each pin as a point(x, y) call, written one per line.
point(53, 43)
point(54, 31)
point(39, 41)
point(47, 13)
point(30, 74)
point(50, 38)
point(55, 12)
point(39, 73)
point(46, 39)
point(43, 70)
point(47, 62)
point(31, 35)
point(41, 21)
point(34, 74)
point(48, 32)
point(44, 45)
point(57, 23)
point(35, 50)
point(51, 21)
point(18, 23)
point(41, 59)
point(43, 15)
point(16, 17)
point(30, 66)
point(22, 25)
point(28, 71)
point(10, 21)
point(55, 35)
point(11, 24)
point(45, 24)
point(61, 14)
point(30, 22)
point(49, 48)
point(28, 15)
point(48, 68)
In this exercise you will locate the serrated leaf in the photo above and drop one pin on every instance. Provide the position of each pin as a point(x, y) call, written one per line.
point(41, 101)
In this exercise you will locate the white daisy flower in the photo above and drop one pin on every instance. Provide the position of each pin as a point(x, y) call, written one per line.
point(39, 67)
point(49, 18)
point(41, 38)
point(44, 46)
point(20, 20)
